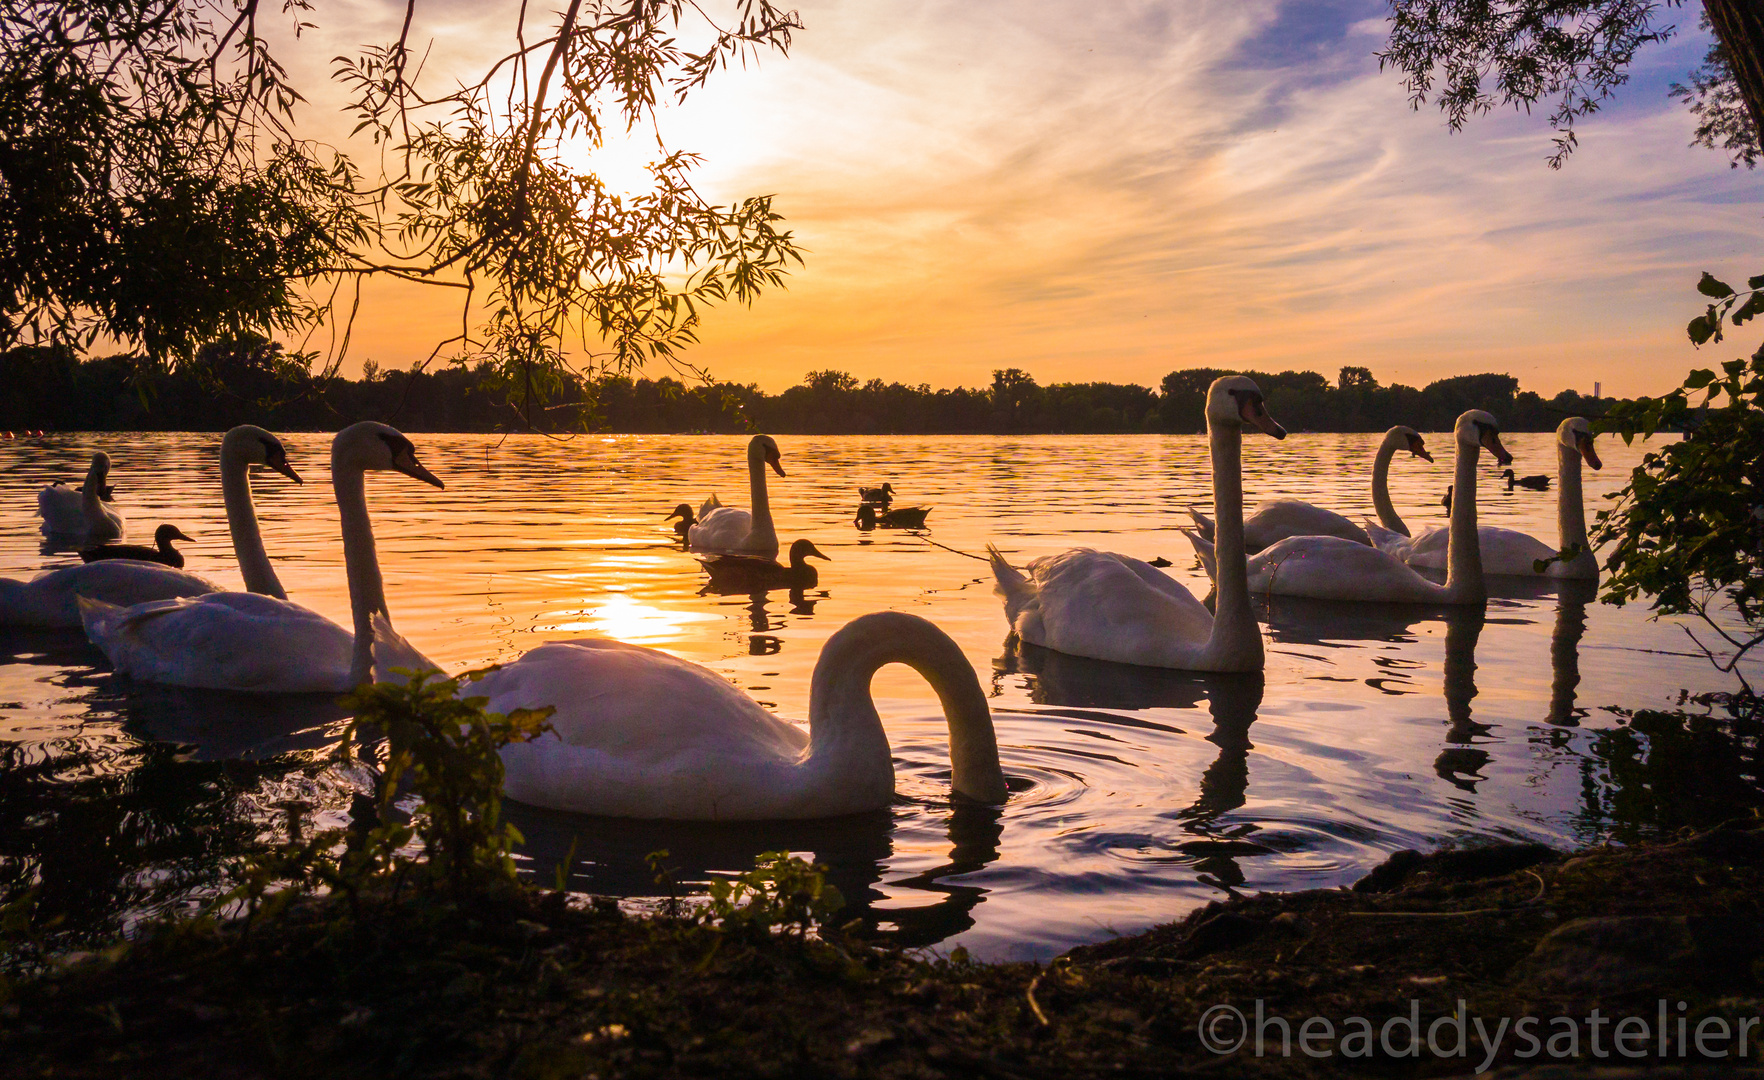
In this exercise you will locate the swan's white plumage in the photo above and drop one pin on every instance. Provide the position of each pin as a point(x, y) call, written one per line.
point(1111, 607)
point(1333, 568)
point(225, 641)
point(643, 734)
point(248, 641)
point(51, 599)
point(638, 733)
point(1330, 568)
point(1099, 604)
point(78, 515)
point(728, 530)
point(1513, 553)
point(1504, 551)
point(1277, 519)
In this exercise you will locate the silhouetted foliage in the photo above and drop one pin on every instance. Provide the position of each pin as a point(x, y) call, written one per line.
point(156, 189)
point(1688, 528)
point(252, 380)
point(1471, 55)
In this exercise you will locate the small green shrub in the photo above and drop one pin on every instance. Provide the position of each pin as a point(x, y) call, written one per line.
point(443, 749)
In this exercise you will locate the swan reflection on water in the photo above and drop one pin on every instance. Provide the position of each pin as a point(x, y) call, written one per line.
point(610, 857)
point(1073, 683)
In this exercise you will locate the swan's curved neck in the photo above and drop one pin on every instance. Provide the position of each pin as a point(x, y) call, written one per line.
point(367, 593)
point(92, 506)
point(845, 734)
point(1570, 509)
point(1386, 510)
point(1235, 638)
point(757, 498)
point(1463, 543)
point(254, 563)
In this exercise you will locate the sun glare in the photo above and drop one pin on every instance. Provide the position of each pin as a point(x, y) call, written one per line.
point(621, 161)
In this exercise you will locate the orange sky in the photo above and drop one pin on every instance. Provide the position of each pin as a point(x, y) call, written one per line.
point(1093, 195)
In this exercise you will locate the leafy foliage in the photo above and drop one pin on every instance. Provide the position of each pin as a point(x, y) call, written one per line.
point(443, 749)
point(781, 892)
point(1688, 529)
point(154, 187)
point(1723, 120)
point(151, 187)
point(1483, 53)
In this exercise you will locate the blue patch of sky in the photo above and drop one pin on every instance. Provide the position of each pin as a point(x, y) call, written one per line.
point(1312, 41)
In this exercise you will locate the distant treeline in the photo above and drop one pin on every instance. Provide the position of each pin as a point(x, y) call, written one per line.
point(253, 381)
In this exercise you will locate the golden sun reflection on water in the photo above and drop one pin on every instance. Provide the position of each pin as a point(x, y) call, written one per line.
point(626, 619)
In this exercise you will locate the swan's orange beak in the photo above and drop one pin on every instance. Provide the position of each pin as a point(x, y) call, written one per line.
point(1251, 409)
point(286, 470)
point(1584, 443)
point(415, 469)
point(1491, 441)
point(772, 460)
point(1418, 448)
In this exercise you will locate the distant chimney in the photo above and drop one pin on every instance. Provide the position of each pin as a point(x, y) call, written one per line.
point(1596, 389)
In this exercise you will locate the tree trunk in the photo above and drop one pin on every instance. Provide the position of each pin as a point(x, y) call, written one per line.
point(1739, 24)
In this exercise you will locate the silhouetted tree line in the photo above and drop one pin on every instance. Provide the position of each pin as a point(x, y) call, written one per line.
point(254, 380)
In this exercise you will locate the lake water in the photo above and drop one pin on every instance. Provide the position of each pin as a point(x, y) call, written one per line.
point(1137, 795)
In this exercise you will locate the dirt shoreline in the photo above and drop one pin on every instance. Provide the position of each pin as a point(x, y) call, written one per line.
point(1602, 943)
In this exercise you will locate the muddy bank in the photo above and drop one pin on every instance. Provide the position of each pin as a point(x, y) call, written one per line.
point(1620, 957)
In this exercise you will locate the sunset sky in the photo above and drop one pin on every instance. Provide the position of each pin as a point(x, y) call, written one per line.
point(1111, 191)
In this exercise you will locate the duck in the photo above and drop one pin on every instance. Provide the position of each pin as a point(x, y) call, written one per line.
point(52, 598)
point(1512, 553)
point(881, 496)
point(638, 733)
point(1106, 606)
point(904, 517)
point(687, 519)
point(161, 551)
point(730, 531)
point(1540, 482)
point(258, 641)
point(1278, 519)
point(751, 573)
point(1333, 568)
point(82, 515)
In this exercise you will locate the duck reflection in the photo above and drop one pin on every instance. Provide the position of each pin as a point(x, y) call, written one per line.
point(610, 857)
point(761, 620)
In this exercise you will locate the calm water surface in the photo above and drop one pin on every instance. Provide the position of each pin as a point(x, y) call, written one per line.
point(1137, 794)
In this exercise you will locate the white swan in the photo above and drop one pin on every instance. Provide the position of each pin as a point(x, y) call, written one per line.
point(53, 597)
point(1111, 607)
point(1510, 552)
point(729, 531)
point(1331, 568)
point(259, 641)
point(642, 734)
point(1278, 519)
point(82, 515)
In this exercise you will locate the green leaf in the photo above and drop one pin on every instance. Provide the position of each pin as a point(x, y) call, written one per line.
point(1710, 285)
point(1701, 329)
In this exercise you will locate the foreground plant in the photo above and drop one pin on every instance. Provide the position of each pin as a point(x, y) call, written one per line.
point(440, 748)
point(1688, 530)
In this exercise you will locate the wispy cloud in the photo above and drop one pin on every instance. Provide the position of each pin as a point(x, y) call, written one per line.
point(1111, 191)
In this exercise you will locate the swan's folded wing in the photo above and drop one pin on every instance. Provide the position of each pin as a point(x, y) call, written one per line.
point(639, 704)
point(224, 641)
point(1108, 606)
point(723, 529)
